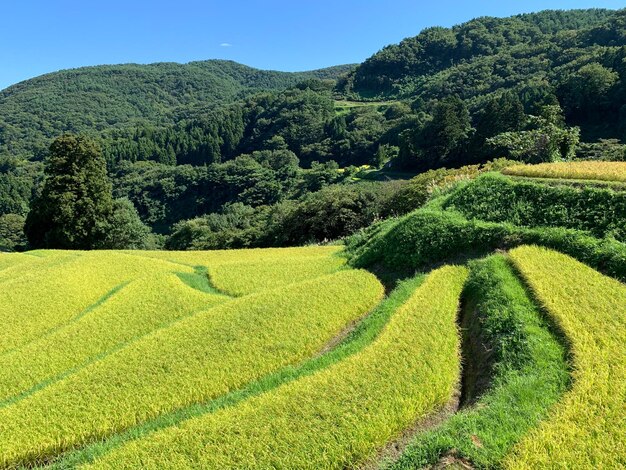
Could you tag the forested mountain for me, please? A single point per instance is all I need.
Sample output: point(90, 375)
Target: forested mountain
point(115, 96)
point(483, 47)
point(576, 56)
point(216, 154)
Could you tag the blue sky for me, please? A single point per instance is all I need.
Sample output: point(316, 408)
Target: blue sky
point(43, 36)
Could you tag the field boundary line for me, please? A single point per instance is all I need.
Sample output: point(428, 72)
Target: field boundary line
point(86, 311)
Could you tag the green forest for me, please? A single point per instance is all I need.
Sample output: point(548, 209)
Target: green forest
point(216, 154)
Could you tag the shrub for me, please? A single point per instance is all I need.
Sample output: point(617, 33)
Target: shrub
point(425, 237)
point(494, 198)
point(124, 230)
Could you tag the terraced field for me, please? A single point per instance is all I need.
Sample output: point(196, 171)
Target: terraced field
point(297, 358)
point(152, 344)
point(584, 170)
point(587, 427)
point(334, 418)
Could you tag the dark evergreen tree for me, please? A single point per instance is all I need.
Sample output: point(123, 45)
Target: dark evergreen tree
point(442, 140)
point(75, 203)
point(503, 113)
point(12, 233)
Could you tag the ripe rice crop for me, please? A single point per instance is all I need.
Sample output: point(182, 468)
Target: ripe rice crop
point(584, 170)
point(196, 359)
point(42, 297)
point(337, 417)
point(14, 265)
point(587, 428)
point(241, 272)
point(364, 332)
point(11, 259)
point(245, 277)
point(131, 311)
point(216, 257)
point(508, 340)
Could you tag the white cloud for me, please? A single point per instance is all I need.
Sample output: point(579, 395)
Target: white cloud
point(226, 44)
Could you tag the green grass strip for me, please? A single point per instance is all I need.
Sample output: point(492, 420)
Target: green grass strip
point(530, 374)
point(573, 182)
point(363, 334)
point(200, 280)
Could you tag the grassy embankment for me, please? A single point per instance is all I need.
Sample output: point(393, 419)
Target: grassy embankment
point(587, 428)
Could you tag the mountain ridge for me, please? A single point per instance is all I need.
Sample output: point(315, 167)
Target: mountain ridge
point(93, 98)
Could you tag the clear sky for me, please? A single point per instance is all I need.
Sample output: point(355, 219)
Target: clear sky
point(47, 35)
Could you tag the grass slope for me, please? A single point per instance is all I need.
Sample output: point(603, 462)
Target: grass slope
point(429, 237)
point(492, 197)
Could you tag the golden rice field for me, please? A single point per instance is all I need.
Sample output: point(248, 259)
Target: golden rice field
point(54, 292)
point(337, 417)
point(150, 344)
point(8, 260)
point(234, 277)
point(118, 320)
point(583, 170)
point(588, 427)
point(137, 346)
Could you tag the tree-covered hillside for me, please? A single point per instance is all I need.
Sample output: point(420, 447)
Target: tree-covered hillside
point(575, 56)
point(436, 48)
point(219, 155)
point(96, 98)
